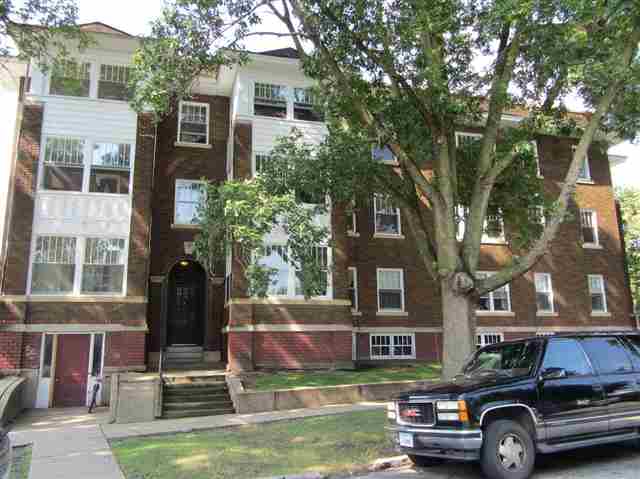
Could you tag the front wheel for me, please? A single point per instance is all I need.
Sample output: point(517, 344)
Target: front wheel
point(508, 451)
point(424, 461)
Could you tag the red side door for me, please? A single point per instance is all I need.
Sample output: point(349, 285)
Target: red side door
point(72, 366)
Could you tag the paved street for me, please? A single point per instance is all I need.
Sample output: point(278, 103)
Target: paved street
point(620, 461)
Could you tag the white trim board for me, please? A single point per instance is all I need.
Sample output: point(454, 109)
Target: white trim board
point(71, 328)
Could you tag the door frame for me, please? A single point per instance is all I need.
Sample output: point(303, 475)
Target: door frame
point(165, 306)
point(46, 386)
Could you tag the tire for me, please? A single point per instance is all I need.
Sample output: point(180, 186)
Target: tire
point(508, 451)
point(424, 461)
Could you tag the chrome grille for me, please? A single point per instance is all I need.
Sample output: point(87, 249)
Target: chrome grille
point(413, 413)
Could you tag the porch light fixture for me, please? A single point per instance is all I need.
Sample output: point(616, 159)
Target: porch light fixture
point(184, 263)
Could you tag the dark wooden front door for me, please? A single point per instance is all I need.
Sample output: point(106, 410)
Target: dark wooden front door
point(72, 368)
point(186, 304)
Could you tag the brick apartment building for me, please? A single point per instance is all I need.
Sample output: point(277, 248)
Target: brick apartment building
point(98, 274)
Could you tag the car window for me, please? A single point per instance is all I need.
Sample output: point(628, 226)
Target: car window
point(608, 355)
point(568, 355)
point(634, 349)
point(511, 359)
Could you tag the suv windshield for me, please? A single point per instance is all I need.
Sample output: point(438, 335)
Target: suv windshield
point(509, 360)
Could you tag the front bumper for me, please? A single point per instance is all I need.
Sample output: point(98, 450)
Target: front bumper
point(456, 444)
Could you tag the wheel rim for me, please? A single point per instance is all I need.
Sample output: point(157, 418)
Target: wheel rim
point(512, 452)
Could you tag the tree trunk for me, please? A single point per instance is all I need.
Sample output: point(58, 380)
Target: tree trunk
point(458, 328)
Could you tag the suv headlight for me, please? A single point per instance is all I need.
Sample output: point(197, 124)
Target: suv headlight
point(391, 411)
point(452, 411)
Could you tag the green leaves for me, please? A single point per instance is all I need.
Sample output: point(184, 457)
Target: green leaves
point(629, 199)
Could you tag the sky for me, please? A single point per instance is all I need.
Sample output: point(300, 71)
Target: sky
point(133, 16)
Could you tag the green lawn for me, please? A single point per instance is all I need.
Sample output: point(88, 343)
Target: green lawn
point(327, 444)
point(284, 380)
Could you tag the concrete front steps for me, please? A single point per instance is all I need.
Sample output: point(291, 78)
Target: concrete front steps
point(195, 393)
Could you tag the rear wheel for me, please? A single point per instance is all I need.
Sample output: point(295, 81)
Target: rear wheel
point(424, 461)
point(508, 451)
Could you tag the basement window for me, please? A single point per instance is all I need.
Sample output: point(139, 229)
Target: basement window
point(392, 346)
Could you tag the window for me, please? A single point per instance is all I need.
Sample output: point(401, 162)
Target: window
point(260, 160)
point(392, 346)
point(461, 213)
point(383, 154)
point(589, 227)
point(516, 359)
point(537, 216)
point(634, 349)
point(270, 100)
point(96, 360)
point(110, 168)
point(53, 268)
point(544, 292)
point(189, 197)
point(103, 268)
point(566, 354)
point(71, 79)
point(468, 140)
point(63, 164)
point(113, 83)
point(353, 288)
point(585, 170)
point(193, 126)
point(608, 355)
point(487, 339)
point(303, 105)
point(493, 229)
point(390, 290)
point(387, 216)
point(597, 293)
point(47, 356)
point(496, 300)
point(544, 334)
point(321, 259)
point(352, 219)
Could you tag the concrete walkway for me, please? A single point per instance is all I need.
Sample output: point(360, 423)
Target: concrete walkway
point(67, 444)
point(71, 444)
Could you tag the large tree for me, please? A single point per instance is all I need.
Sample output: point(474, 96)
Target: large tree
point(408, 74)
point(40, 30)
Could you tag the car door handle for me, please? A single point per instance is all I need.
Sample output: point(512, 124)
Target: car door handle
point(598, 387)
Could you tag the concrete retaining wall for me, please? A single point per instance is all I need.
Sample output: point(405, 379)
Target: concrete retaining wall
point(135, 397)
point(247, 401)
point(11, 398)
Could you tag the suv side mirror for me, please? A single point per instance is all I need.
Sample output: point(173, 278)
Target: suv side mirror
point(553, 373)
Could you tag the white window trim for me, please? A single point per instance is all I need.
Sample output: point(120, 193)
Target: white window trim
point(483, 339)
point(536, 154)
point(86, 168)
point(460, 134)
point(493, 311)
point(491, 239)
point(289, 97)
point(377, 234)
point(596, 235)
point(402, 291)
point(550, 292)
point(182, 181)
point(291, 278)
point(354, 222)
point(356, 307)
point(188, 143)
point(589, 179)
point(76, 291)
point(391, 355)
point(604, 312)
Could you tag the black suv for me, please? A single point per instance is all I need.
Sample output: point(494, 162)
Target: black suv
point(515, 399)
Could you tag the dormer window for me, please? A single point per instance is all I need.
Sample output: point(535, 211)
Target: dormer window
point(71, 79)
point(303, 105)
point(113, 84)
point(193, 126)
point(270, 100)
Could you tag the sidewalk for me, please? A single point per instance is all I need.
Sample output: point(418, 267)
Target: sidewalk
point(70, 444)
point(67, 444)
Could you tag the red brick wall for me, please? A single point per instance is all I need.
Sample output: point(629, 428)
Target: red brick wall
point(125, 349)
point(22, 189)
point(240, 350)
point(294, 350)
point(10, 350)
point(32, 343)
